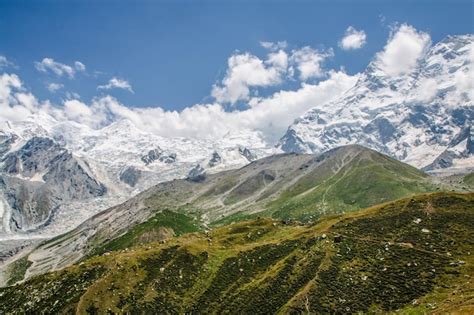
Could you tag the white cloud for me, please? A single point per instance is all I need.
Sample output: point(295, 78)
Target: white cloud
point(403, 50)
point(308, 62)
point(274, 46)
point(271, 116)
point(77, 111)
point(79, 66)
point(53, 87)
point(72, 95)
point(15, 103)
point(4, 62)
point(353, 39)
point(245, 71)
point(116, 83)
point(49, 65)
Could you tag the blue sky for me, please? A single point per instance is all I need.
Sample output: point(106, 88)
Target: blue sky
point(173, 52)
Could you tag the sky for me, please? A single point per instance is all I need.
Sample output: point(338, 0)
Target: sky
point(173, 59)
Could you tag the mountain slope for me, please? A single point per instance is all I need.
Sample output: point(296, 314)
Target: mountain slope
point(121, 158)
point(36, 178)
point(289, 186)
point(410, 255)
point(422, 117)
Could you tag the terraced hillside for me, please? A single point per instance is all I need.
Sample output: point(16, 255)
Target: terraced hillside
point(414, 255)
point(291, 186)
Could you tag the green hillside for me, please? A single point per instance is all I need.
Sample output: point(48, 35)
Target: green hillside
point(469, 180)
point(369, 178)
point(412, 255)
point(291, 187)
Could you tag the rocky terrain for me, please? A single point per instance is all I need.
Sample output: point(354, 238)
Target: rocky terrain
point(299, 187)
point(423, 118)
point(36, 178)
point(54, 175)
point(412, 255)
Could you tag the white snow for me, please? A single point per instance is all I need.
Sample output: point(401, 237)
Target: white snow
point(423, 107)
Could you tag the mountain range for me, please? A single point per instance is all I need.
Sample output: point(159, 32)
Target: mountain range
point(411, 256)
point(290, 187)
point(69, 192)
point(422, 117)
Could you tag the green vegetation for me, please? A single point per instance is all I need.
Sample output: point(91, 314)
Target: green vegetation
point(17, 269)
point(236, 217)
point(163, 225)
point(469, 180)
point(410, 256)
point(362, 183)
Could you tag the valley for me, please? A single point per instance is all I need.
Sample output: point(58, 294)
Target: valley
point(310, 178)
point(410, 256)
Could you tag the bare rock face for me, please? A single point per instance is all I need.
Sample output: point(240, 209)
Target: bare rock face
point(158, 155)
point(6, 140)
point(197, 174)
point(168, 158)
point(151, 156)
point(215, 159)
point(130, 176)
point(249, 155)
point(461, 147)
point(40, 176)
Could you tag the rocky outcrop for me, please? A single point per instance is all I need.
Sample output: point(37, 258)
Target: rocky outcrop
point(249, 155)
point(40, 176)
point(461, 147)
point(168, 158)
point(151, 156)
point(131, 175)
point(215, 159)
point(158, 155)
point(197, 174)
point(6, 140)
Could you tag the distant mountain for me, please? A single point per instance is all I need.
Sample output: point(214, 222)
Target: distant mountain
point(54, 175)
point(423, 117)
point(290, 186)
point(36, 178)
point(408, 256)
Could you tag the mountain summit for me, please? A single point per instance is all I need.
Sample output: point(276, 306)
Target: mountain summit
point(420, 117)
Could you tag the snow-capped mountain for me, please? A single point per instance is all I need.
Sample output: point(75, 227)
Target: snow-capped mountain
point(423, 117)
point(116, 162)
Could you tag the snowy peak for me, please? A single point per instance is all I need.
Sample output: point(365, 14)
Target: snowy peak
point(413, 116)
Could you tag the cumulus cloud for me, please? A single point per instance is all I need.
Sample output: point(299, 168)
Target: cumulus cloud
point(404, 48)
point(353, 39)
point(15, 102)
point(245, 71)
point(308, 62)
point(77, 111)
point(270, 116)
point(116, 83)
point(49, 65)
point(53, 87)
